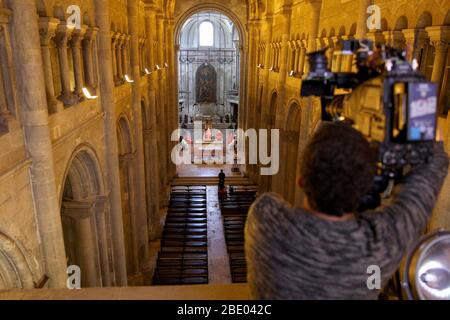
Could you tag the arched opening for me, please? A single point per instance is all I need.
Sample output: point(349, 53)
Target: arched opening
point(85, 219)
point(15, 271)
point(127, 163)
point(292, 133)
point(206, 34)
point(209, 87)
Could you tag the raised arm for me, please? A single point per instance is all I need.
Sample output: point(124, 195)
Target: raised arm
point(407, 216)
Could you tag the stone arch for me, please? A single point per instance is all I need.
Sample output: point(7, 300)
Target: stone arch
point(127, 171)
point(124, 136)
point(84, 212)
point(352, 31)
point(15, 271)
point(401, 23)
point(384, 24)
point(446, 21)
point(208, 7)
point(424, 20)
point(332, 32)
point(83, 171)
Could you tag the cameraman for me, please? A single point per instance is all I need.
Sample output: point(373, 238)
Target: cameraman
point(323, 251)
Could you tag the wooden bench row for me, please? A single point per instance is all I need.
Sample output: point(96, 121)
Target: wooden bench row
point(183, 257)
point(234, 209)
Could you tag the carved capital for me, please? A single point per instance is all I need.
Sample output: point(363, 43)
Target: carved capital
point(63, 35)
point(394, 39)
point(78, 210)
point(439, 37)
point(90, 35)
point(47, 30)
point(375, 36)
point(78, 36)
point(416, 37)
point(336, 40)
point(320, 43)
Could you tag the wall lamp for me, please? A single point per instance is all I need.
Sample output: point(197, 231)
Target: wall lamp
point(158, 67)
point(88, 95)
point(147, 71)
point(127, 78)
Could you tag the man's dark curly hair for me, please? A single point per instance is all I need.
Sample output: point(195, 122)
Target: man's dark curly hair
point(337, 169)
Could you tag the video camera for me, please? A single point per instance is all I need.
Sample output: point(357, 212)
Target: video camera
point(385, 98)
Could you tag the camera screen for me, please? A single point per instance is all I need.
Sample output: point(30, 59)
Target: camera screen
point(422, 111)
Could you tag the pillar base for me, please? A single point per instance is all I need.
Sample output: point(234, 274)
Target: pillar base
point(68, 99)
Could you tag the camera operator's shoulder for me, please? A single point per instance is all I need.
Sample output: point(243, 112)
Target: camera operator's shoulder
point(268, 203)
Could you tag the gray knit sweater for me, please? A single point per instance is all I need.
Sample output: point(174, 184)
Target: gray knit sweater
point(292, 254)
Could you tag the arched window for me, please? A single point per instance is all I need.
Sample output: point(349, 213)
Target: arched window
point(206, 34)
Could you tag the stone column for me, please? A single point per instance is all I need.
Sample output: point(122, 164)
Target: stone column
point(328, 42)
point(394, 39)
point(298, 53)
point(47, 31)
point(278, 185)
point(63, 35)
point(336, 64)
point(304, 63)
point(75, 44)
point(361, 27)
point(172, 77)
point(81, 214)
point(161, 112)
point(416, 40)
point(155, 227)
point(265, 112)
point(114, 57)
point(141, 207)
point(439, 39)
point(111, 148)
point(34, 117)
point(88, 53)
point(347, 61)
point(315, 20)
point(119, 58)
point(102, 235)
point(124, 51)
point(252, 89)
point(376, 36)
